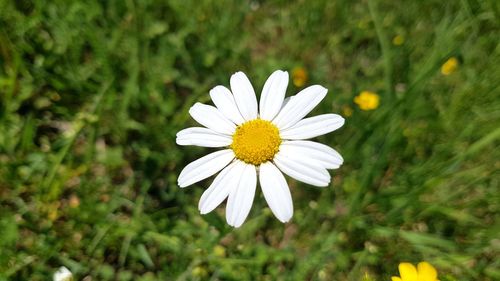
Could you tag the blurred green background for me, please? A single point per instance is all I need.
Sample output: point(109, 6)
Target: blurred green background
point(93, 93)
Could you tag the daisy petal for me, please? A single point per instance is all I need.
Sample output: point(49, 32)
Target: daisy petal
point(313, 152)
point(299, 106)
point(244, 95)
point(220, 187)
point(224, 100)
point(426, 272)
point(202, 137)
point(276, 191)
point(395, 278)
point(407, 271)
point(241, 198)
point(273, 94)
point(212, 118)
point(205, 167)
point(285, 102)
point(297, 167)
point(313, 126)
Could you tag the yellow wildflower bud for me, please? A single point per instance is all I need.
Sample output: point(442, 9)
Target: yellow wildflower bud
point(347, 111)
point(199, 271)
point(299, 76)
point(398, 40)
point(449, 66)
point(53, 211)
point(367, 100)
point(219, 251)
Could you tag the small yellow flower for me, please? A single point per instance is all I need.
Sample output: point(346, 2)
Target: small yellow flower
point(449, 66)
point(199, 271)
point(299, 76)
point(367, 100)
point(424, 272)
point(398, 40)
point(347, 111)
point(219, 251)
point(53, 211)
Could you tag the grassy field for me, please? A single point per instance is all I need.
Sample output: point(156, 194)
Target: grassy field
point(93, 92)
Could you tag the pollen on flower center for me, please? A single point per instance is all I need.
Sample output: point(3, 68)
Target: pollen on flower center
point(256, 141)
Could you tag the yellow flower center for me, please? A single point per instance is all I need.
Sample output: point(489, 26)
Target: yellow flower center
point(256, 141)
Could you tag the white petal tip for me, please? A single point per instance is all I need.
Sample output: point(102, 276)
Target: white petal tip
point(235, 225)
point(182, 184)
point(322, 91)
point(195, 107)
point(181, 141)
point(322, 88)
point(284, 220)
point(341, 120)
point(216, 91)
point(237, 75)
point(216, 88)
point(197, 104)
point(318, 89)
point(205, 209)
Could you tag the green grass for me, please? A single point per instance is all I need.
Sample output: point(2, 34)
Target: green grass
point(93, 92)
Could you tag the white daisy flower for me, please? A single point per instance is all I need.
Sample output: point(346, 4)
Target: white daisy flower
point(266, 142)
